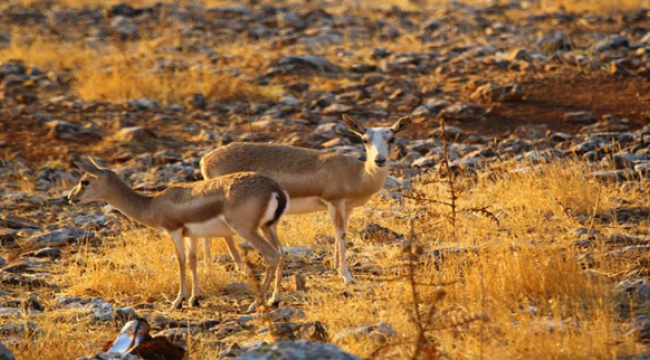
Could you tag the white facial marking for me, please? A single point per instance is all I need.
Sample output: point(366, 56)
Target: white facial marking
point(378, 147)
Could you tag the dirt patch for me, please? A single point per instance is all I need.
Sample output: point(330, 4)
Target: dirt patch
point(548, 99)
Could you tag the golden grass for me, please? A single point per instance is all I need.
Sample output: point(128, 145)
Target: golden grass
point(118, 73)
point(524, 278)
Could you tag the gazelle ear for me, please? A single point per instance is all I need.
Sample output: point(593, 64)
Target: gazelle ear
point(401, 124)
point(354, 125)
point(91, 169)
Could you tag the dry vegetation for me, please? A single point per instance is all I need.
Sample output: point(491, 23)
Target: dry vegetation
point(525, 279)
point(521, 292)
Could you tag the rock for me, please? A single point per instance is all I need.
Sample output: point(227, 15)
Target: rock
point(640, 328)
point(197, 102)
point(23, 329)
point(555, 42)
point(282, 314)
point(292, 64)
point(96, 309)
point(298, 251)
point(5, 40)
point(142, 104)
point(63, 130)
point(463, 112)
point(17, 222)
point(612, 175)
point(134, 134)
point(5, 354)
point(236, 288)
point(21, 280)
point(310, 331)
point(430, 108)
point(49, 252)
point(611, 43)
point(110, 356)
point(297, 350)
point(579, 117)
point(125, 28)
point(379, 235)
point(378, 333)
point(64, 236)
point(492, 93)
point(516, 54)
point(632, 293)
point(300, 282)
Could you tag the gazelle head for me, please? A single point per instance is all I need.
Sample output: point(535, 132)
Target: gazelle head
point(93, 185)
point(377, 140)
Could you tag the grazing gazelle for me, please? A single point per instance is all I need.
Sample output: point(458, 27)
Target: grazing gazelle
point(221, 207)
point(315, 180)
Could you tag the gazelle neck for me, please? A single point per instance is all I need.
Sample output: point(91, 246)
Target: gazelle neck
point(127, 201)
point(374, 176)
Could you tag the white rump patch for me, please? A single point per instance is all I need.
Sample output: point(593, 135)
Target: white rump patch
point(269, 214)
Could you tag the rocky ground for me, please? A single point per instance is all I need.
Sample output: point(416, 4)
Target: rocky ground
point(556, 101)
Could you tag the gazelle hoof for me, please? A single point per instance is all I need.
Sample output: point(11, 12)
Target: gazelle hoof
point(177, 304)
point(194, 302)
point(348, 279)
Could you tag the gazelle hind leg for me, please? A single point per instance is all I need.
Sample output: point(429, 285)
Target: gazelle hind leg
point(234, 253)
point(192, 256)
point(272, 236)
point(268, 251)
point(177, 237)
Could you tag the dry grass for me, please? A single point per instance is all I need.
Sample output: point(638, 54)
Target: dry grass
point(525, 277)
point(129, 71)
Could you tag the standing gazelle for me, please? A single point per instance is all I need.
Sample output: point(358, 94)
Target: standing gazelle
point(315, 180)
point(222, 207)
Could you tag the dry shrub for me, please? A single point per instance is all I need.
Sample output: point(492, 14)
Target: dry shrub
point(139, 266)
point(118, 84)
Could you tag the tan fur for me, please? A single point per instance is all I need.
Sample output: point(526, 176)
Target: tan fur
point(301, 172)
point(315, 180)
point(224, 206)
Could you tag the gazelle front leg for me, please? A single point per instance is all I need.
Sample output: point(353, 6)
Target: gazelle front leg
point(196, 291)
point(177, 237)
point(339, 219)
point(206, 251)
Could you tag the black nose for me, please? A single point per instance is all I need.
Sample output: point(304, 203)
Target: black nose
point(380, 161)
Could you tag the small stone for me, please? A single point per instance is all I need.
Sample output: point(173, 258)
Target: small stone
point(300, 282)
point(5, 354)
point(64, 236)
point(579, 117)
point(297, 350)
point(236, 288)
point(63, 130)
point(377, 333)
point(134, 134)
point(49, 252)
point(379, 235)
point(492, 93)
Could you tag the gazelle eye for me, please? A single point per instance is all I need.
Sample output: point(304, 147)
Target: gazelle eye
point(391, 140)
point(85, 182)
point(365, 140)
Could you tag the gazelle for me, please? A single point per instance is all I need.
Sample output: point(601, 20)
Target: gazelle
point(221, 207)
point(315, 180)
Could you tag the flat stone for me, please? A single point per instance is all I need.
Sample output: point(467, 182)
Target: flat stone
point(297, 350)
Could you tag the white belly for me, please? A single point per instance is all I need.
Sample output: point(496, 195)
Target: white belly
point(305, 205)
point(215, 227)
